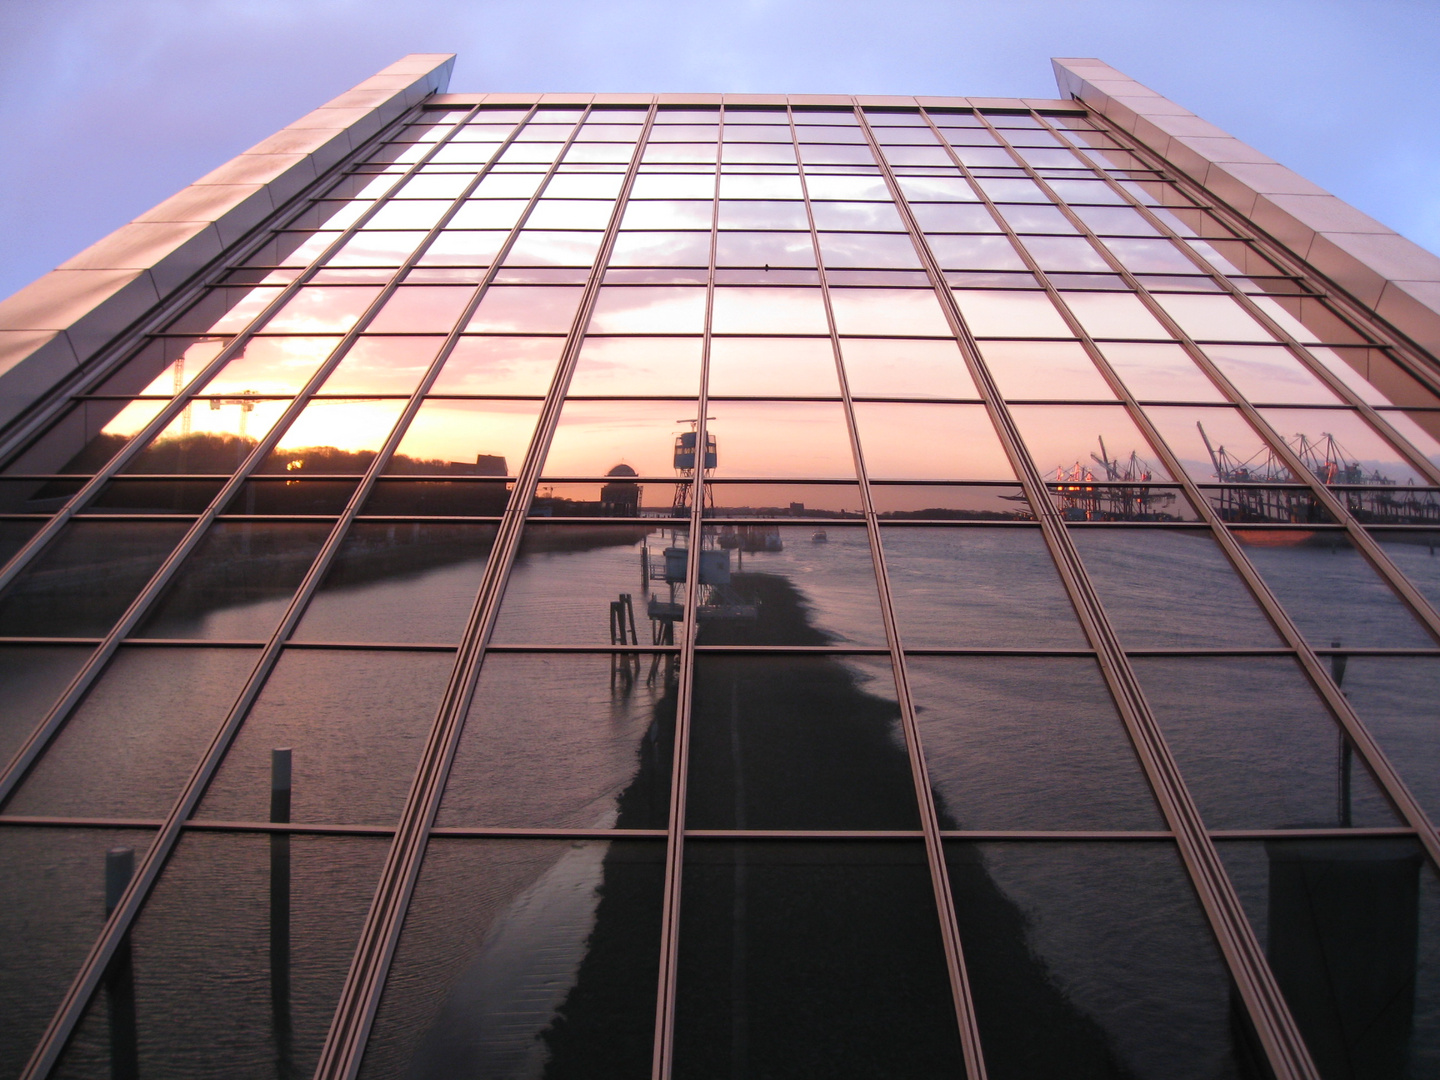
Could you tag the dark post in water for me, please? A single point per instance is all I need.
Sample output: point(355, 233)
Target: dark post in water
point(120, 975)
point(280, 787)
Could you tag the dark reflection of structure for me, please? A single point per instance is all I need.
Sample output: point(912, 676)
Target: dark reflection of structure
point(620, 497)
point(1252, 495)
point(1344, 930)
point(603, 1028)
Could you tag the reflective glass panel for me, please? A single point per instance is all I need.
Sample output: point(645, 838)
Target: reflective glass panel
point(1169, 587)
point(1094, 959)
point(1026, 743)
point(477, 438)
point(1334, 596)
point(130, 747)
point(579, 741)
point(797, 742)
point(500, 365)
point(767, 367)
point(549, 966)
point(978, 588)
point(566, 577)
point(400, 582)
point(1059, 370)
point(1086, 442)
point(638, 366)
point(1159, 372)
point(857, 987)
point(930, 442)
point(788, 585)
point(356, 721)
point(33, 677)
point(1256, 746)
point(898, 368)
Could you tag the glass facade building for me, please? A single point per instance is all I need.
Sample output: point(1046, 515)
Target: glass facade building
point(626, 586)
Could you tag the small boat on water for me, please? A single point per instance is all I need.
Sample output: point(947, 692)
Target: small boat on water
point(819, 537)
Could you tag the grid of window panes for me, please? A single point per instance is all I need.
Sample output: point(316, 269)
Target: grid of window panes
point(271, 527)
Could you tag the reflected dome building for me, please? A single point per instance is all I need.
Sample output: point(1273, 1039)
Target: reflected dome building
point(362, 718)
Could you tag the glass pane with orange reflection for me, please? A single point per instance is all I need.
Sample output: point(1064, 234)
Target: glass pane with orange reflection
point(1086, 443)
point(724, 499)
point(334, 437)
point(474, 438)
point(271, 365)
point(383, 365)
point(637, 365)
point(890, 367)
point(595, 436)
point(211, 435)
point(781, 439)
point(1055, 370)
point(930, 442)
point(502, 366)
point(421, 309)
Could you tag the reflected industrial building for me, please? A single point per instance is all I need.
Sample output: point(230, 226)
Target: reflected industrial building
point(702, 586)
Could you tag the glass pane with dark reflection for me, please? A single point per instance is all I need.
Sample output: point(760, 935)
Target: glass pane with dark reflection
point(1094, 959)
point(567, 577)
point(437, 498)
point(1398, 698)
point(525, 958)
point(33, 677)
point(237, 583)
point(130, 747)
point(788, 585)
point(1171, 587)
point(1256, 746)
point(1026, 743)
point(278, 496)
point(221, 900)
point(1352, 932)
point(402, 582)
point(124, 496)
point(625, 495)
point(86, 437)
point(811, 959)
point(355, 721)
point(797, 742)
point(1417, 554)
point(32, 497)
point(52, 906)
point(977, 587)
point(86, 578)
point(579, 741)
point(1334, 596)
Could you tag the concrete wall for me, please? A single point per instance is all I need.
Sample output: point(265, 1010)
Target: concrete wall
point(1396, 278)
point(58, 323)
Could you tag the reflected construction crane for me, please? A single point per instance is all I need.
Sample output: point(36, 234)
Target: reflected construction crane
point(1370, 496)
point(1119, 493)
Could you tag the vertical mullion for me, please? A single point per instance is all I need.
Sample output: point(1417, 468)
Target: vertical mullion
point(1316, 670)
point(1286, 1050)
point(662, 1065)
point(963, 1000)
point(25, 757)
point(181, 401)
point(1373, 553)
point(350, 1029)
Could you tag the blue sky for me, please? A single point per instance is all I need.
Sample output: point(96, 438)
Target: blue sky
point(107, 107)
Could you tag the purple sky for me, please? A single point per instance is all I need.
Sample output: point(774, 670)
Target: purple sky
point(106, 108)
